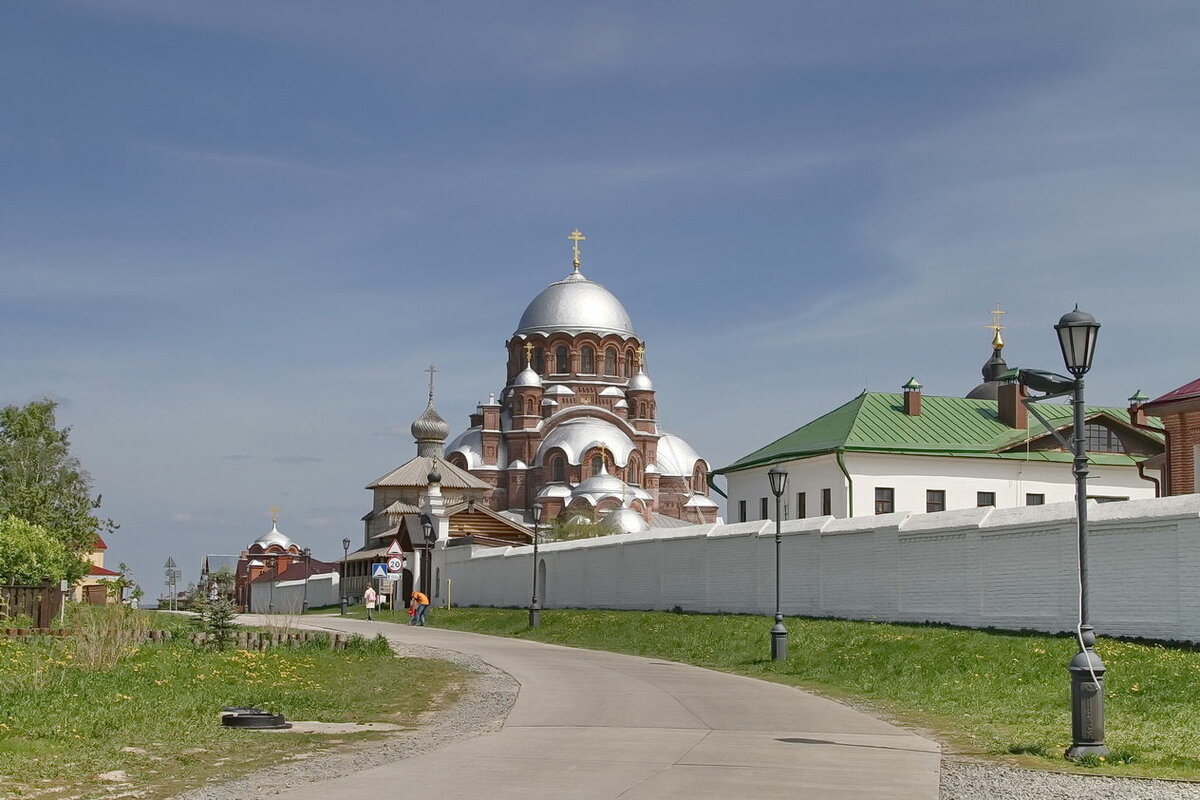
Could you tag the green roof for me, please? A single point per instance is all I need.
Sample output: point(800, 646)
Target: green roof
point(875, 422)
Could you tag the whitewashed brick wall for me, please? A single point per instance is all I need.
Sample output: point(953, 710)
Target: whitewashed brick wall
point(979, 567)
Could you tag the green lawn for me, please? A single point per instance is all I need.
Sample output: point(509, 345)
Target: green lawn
point(1004, 695)
point(155, 714)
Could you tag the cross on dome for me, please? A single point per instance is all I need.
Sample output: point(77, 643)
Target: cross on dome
point(430, 369)
point(576, 237)
point(997, 342)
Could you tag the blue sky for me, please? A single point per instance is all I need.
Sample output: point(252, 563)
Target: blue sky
point(233, 234)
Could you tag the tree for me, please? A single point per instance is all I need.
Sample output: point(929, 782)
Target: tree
point(41, 482)
point(29, 554)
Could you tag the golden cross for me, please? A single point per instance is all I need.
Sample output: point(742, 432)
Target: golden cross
point(528, 353)
point(603, 455)
point(641, 356)
point(274, 514)
point(996, 326)
point(576, 237)
point(431, 369)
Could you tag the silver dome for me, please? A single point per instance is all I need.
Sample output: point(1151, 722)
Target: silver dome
point(527, 377)
point(641, 382)
point(273, 537)
point(601, 484)
point(675, 456)
point(623, 520)
point(575, 305)
point(430, 427)
point(577, 436)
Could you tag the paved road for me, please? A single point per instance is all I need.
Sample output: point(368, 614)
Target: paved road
point(594, 725)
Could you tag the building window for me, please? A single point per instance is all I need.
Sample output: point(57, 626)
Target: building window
point(762, 508)
point(1035, 499)
point(597, 464)
point(1101, 439)
point(801, 505)
point(985, 499)
point(610, 361)
point(562, 360)
point(827, 502)
point(935, 500)
point(558, 470)
point(539, 362)
point(885, 500)
point(587, 358)
point(741, 510)
point(629, 364)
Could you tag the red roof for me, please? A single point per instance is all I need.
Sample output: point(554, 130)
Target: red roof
point(99, 545)
point(1189, 391)
point(102, 572)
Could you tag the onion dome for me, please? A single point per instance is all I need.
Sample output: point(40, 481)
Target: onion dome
point(430, 427)
point(623, 520)
point(602, 483)
point(993, 368)
point(273, 537)
point(641, 382)
point(527, 377)
point(434, 476)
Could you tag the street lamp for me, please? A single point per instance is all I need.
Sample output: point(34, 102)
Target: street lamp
point(535, 608)
point(307, 570)
point(1077, 331)
point(345, 556)
point(778, 478)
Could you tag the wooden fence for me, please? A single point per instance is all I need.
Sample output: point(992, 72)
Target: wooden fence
point(40, 603)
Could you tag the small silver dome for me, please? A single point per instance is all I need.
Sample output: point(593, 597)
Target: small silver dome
point(675, 456)
point(430, 427)
point(575, 305)
point(641, 382)
point(601, 484)
point(623, 520)
point(527, 377)
point(273, 537)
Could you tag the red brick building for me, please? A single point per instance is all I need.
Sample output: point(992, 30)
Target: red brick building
point(1179, 411)
point(575, 427)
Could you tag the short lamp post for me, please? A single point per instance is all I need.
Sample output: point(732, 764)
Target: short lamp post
point(345, 557)
point(778, 478)
point(1077, 332)
point(307, 570)
point(535, 607)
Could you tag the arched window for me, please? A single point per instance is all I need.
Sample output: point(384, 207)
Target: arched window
point(539, 362)
point(530, 407)
point(641, 410)
point(698, 482)
point(610, 361)
point(629, 364)
point(633, 472)
point(562, 360)
point(597, 464)
point(558, 469)
point(587, 360)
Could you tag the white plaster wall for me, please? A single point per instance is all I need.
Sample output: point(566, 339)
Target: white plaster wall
point(978, 567)
point(960, 477)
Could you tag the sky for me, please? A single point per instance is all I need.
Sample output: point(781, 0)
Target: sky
point(232, 235)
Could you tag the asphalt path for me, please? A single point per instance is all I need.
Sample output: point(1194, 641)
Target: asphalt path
point(589, 724)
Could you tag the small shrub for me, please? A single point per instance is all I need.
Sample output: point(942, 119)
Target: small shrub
point(105, 634)
point(217, 616)
point(377, 646)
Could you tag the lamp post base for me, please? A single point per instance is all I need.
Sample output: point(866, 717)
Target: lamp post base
point(779, 642)
point(1087, 705)
point(535, 616)
point(343, 606)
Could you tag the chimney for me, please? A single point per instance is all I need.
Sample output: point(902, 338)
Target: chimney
point(1011, 410)
point(912, 397)
point(1137, 414)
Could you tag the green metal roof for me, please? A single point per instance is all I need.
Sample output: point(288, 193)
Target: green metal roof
point(875, 422)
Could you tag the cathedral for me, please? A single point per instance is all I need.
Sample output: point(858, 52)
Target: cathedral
point(575, 427)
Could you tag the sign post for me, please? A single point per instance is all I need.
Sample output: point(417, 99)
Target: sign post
point(395, 570)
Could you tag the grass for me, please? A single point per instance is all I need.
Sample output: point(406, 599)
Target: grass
point(989, 693)
point(154, 713)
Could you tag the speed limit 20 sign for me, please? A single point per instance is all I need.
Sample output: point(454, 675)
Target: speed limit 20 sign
point(395, 564)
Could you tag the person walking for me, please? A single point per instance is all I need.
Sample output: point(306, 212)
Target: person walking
point(421, 601)
point(369, 597)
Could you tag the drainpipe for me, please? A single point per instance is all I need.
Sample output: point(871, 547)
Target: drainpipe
point(841, 462)
point(709, 478)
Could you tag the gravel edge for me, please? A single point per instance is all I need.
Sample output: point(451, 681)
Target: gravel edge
point(482, 709)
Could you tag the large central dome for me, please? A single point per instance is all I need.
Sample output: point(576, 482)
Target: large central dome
point(575, 305)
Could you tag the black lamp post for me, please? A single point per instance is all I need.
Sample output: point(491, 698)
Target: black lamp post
point(345, 556)
point(535, 607)
point(307, 570)
point(1077, 332)
point(778, 478)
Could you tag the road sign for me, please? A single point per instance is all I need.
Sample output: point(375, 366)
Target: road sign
point(378, 571)
point(395, 564)
point(394, 576)
point(395, 550)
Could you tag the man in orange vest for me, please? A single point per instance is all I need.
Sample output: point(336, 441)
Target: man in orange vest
point(421, 602)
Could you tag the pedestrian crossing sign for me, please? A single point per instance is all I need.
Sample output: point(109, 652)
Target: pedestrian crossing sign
point(379, 571)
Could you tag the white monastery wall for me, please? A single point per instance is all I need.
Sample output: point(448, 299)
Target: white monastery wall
point(960, 477)
point(978, 567)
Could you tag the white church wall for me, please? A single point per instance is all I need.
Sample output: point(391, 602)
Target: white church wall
point(978, 567)
point(809, 475)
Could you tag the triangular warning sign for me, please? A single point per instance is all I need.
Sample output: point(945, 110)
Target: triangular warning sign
point(395, 550)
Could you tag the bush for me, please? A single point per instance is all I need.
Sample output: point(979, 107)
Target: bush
point(104, 635)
